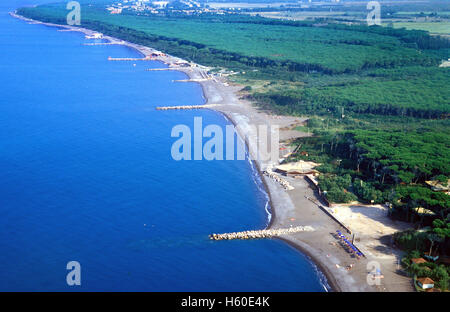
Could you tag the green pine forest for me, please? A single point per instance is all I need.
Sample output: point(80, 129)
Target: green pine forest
point(377, 99)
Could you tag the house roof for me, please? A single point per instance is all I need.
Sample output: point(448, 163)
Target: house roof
point(298, 167)
point(425, 280)
point(424, 211)
point(437, 186)
point(419, 260)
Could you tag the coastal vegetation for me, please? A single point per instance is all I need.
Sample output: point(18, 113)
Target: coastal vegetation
point(382, 161)
point(241, 42)
point(421, 249)
point(406, 91)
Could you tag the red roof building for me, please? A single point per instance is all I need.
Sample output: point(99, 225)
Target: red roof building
point(425, 282)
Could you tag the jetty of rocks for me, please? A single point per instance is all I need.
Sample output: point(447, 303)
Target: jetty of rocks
point(260, 233)
point(277, 178)
point(186, 107)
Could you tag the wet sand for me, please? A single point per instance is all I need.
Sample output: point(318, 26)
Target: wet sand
point(289, 208)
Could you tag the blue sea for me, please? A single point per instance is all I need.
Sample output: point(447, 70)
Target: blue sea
point(86, 175)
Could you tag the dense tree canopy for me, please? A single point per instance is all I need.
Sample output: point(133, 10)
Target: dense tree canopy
point(350, 76)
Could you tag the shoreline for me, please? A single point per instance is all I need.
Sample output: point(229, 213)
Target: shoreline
point(330, 280)
point(285, 206)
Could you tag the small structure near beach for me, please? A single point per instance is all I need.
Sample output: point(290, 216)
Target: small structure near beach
point(95, 36)
point(424, 211)
point(425, 282)
point(157, 54)
point(298, 168)
point(181, 63)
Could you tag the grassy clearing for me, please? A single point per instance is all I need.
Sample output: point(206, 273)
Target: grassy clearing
point(432, 27)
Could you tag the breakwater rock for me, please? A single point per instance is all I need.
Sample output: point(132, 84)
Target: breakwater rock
point(260, 233)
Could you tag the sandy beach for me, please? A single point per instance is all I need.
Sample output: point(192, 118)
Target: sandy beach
point(300, 206)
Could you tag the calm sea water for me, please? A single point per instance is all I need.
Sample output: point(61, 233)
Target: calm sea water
point(86, 174)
